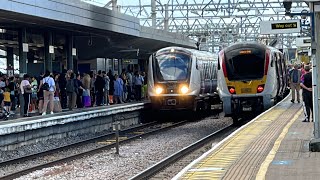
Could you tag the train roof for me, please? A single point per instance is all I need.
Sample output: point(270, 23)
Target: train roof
point(191, 51)
point(255, 45)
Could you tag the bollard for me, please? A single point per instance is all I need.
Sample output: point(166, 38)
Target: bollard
point(116, 128)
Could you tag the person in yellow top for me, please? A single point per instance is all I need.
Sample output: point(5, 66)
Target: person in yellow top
point(7, 100)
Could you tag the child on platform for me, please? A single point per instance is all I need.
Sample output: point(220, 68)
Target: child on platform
point(7, 100)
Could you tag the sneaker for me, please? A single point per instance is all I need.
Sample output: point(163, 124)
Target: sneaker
point(44, 113)
point(51, 112)
point(292, 101)
point(298, 101)
point(305, 120)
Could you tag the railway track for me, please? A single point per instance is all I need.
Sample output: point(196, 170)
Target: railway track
point(177, 160)
point(129, 134)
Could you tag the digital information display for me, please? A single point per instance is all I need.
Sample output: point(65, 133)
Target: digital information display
point(280, 27)
point(284, 25)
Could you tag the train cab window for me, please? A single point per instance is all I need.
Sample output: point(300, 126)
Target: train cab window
point(172, 66)
point(248, 65)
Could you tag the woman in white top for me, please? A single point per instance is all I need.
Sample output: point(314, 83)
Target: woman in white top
point(48, 94)
point(26, 92)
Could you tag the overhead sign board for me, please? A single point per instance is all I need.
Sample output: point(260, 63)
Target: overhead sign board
point(303, 41)
point(280, 27)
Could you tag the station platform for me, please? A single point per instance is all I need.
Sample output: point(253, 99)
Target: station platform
point(27, 130)
point(275, 145)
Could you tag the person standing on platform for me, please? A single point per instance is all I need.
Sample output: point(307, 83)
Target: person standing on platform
point(99, 87)
point(49, 87)
point(7, 101)
point(138, 82)
point(306, 84)
point(26, 91)
point(106, 88)
point(34, 98)
point(295, 75)
point(13, 91)
point(129, 86)
point(118, 89)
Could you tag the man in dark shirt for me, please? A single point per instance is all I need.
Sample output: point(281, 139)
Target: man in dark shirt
point(306, 84)
point(99, 86)
point(295, 75)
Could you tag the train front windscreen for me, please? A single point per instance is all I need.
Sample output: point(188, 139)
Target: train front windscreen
point(172, 66)
point(245, 64)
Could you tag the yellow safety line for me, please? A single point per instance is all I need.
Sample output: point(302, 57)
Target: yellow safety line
point(265, 165)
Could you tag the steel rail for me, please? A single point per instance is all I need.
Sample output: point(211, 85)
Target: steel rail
point(71, 145)
point(151, 171)
point(86, 153)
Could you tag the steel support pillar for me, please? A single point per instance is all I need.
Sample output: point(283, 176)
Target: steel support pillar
point(153, 13)
point(22, 37)
point(49, 51)
point(69, 46)
point(315, 143)
point(166, 18)
point(10, 61)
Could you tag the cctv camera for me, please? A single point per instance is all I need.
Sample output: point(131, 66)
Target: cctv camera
point(287, 5)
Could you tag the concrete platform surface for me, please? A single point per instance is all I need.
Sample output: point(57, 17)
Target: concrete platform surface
point(275, 145)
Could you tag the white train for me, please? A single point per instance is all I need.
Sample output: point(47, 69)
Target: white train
point(251, 77)
point(180, 78)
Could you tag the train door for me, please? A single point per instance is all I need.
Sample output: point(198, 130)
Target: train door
point(208, 77)
point(284, 74)
point(214, 77)
point(280, 73)
point(201, 67)
point(274, 56)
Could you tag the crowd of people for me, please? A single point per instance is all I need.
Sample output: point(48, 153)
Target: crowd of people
point(52, 92)
point(300, 76)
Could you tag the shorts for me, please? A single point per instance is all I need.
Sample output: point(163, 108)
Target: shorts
point(7, 103)
point(34, 96)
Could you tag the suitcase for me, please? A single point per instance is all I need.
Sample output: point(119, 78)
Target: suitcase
point(86, 101)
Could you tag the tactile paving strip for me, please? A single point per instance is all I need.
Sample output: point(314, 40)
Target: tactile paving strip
point(241, 156)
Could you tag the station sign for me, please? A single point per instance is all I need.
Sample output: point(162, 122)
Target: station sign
point(303, 41)
point(280, 27)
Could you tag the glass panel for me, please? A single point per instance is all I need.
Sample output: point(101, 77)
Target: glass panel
point(243, 67)
point(173, 66)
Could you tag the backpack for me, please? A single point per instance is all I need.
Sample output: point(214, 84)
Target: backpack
point(70, 86)
point(46, 86)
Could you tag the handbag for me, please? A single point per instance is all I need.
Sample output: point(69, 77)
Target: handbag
point(86, 101)
point(27, 89)
point(56, 105)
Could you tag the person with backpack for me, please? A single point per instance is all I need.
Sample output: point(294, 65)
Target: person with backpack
point(49, 87)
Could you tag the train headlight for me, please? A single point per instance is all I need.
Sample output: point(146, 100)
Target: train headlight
point(184, 89)
point(159, 90)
